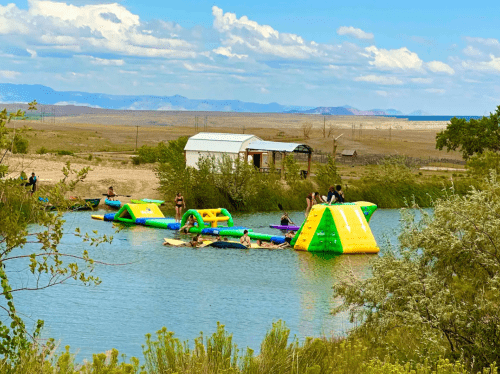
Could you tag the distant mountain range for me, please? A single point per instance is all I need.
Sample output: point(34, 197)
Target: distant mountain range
point(24, 93)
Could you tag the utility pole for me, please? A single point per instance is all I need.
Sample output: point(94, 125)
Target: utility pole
point(324, 126)
point(390, 135)
point(136, 137)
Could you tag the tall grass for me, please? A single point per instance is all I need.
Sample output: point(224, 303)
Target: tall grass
point(217, 353)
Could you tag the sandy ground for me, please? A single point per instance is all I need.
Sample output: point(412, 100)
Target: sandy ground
point(139, 182)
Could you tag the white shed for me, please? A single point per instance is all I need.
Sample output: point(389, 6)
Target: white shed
point(216, 144)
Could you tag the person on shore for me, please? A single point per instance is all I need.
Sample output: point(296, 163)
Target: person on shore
point(311, 200)
point(245, 239)
point(32, 182)
point(179, 205)
point(286, 220)
point(189, 223)
point(111, 193)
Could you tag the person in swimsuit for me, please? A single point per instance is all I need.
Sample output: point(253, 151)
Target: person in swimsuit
point(111, 193)
point(311, 200)
point(245, 239)
point(262, 244)
point(288, 240)
point(179, 205)
point(189, 223)
point(285, 220)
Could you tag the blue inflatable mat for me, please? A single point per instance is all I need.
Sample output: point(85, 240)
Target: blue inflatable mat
point(278, 239)
point(220, 230)
point(174, 226)
point(109, 216)
point(142, 221)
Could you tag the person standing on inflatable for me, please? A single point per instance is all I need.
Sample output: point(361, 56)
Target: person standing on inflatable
point(179, 204)
point(32, 182)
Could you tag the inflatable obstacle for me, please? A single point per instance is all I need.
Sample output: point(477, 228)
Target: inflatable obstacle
point(338, 228)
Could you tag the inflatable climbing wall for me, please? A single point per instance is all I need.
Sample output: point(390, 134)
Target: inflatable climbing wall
point(339, 228)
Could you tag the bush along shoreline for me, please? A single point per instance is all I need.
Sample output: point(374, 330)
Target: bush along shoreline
point(217, 353)
point(239, 187)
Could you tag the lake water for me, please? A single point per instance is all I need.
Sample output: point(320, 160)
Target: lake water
point(189, 290)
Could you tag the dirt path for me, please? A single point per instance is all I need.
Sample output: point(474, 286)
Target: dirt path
point(137, 181)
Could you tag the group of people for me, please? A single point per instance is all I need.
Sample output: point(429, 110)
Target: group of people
point(335, 195)
point(31, 181)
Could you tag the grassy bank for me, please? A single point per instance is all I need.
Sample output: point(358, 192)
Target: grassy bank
point(217, 353)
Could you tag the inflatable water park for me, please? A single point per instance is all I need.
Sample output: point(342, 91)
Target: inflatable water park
point(338, 228)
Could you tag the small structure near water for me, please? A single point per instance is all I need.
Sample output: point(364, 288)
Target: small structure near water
point(261, 153)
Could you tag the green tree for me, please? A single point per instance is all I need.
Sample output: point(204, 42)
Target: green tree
point(326, 175)
point(480, 165)
point(30, 235)
point(472, 136)
point(443, 282)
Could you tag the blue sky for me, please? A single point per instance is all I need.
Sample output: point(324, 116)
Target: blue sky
point(438, 56)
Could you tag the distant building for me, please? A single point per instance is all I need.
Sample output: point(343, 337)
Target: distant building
point(207, 144)
point(260, 153)
point(349, 153)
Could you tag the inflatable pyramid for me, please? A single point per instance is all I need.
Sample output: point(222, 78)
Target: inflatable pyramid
point(338, 228)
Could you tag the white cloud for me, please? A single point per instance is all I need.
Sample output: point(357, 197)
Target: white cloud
point(91, 28)
point(357, 33)
point(226, 51)
point(471, 51)
point(493, 65)
point(31, 52)
point(106, 62)
point(245, 36)
point(483, 41)
point(9, 74)
point(422, 80)
point(382, 93)
point(440, 67)
point(439, 91)
point(379, 79)
point(394, 59)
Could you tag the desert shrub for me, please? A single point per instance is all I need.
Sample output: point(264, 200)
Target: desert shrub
point(62, 152)
point(20, 144)
point(442, 282)
point(326, 175)
point(42, 151)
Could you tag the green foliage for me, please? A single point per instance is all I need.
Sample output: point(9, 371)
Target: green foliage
point(172, 152)
point(42, 151)
point(326, 175)
point(443, 282)
point(46, 266)
point(20, 144)
point(230, 183)
point(63, 152)
point(472, 136)
point(480, 165)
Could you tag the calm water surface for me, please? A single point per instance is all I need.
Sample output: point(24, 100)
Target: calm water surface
point(189, 290)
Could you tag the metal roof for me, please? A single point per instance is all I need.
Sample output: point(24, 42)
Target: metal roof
point(349, 152)
point(263, 145)
point(218, 142)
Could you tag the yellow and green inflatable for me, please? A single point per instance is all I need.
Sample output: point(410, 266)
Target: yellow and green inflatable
point(338, 228)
